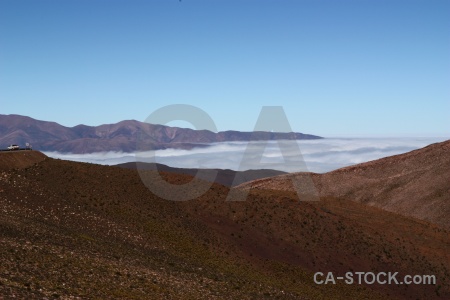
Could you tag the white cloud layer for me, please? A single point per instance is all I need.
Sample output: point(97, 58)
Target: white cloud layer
point(320, 155)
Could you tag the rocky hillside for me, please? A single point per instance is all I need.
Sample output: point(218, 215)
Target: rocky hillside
point(19, 159)
point(74, 230)
point(414, 184)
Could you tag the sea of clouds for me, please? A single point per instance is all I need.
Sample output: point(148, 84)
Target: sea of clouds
point(320, 156)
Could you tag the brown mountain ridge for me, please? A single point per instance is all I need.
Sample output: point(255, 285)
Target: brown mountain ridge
point(224, 177)
point(125, 136)
point(415, 184)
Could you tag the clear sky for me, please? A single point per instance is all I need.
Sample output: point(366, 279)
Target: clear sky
point(339, 68)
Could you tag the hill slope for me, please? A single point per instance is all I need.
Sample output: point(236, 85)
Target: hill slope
point(414, 184)
point(19, 159)
point(123, 136)
point(81, 230)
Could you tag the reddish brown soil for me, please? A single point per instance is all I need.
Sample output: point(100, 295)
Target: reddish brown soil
point(19, 159)
point(96, 232)
point(414, 184)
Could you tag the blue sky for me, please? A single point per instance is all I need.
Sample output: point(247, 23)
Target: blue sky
point(339, 68)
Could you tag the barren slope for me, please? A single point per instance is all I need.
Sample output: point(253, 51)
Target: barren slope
point(19, 159)
point(80, 230)
point(414, 184)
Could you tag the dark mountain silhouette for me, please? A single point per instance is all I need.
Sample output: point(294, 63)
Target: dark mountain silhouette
point(123, 136)
point(224, 177)
point(414, 184)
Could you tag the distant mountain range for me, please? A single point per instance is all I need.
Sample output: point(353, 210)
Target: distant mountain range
point(123, 136)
